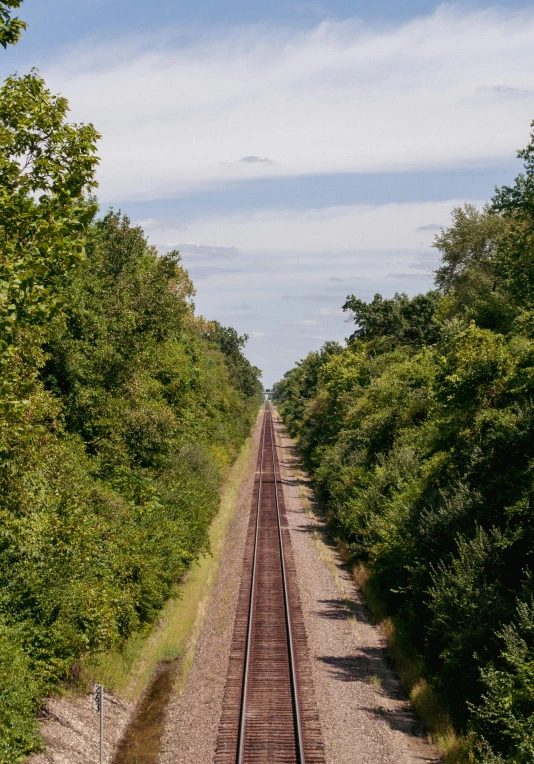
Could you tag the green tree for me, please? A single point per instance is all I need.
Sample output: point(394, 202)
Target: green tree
point(468, 249)
point(47, 167)
point(469, 274)
point(505, 717)
point(11, 29)
point(244, 376)
point(395, 321)
point(516, 251)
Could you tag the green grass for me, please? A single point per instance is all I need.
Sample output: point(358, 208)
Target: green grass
point(126, 672)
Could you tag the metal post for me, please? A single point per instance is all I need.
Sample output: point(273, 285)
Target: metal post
point(99, 708)
point(101, 725)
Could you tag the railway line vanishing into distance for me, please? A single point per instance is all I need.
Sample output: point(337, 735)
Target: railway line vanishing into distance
point(269, 711)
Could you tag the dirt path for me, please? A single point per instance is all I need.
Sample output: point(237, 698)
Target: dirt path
point(364, 714)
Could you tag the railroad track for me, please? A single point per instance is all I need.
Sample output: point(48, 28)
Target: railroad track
point(269, 712)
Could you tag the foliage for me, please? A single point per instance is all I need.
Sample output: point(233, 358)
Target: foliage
point(10, 28)
point(244, 376)
point(111, 479)
point(395, 321)
point(420, 437)
point(46, 167)
point(506, 715)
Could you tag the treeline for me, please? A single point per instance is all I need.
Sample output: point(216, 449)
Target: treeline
point(120, 413)
point(420, 437)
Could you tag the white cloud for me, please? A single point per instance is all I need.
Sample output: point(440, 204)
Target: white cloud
point(342, 97)
point(341, 228)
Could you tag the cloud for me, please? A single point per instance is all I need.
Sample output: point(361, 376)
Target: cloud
point(505, 91)
point(409, 276)
point(330, 312)
point(207, 251)
point(335, 278)
point(341, 97)
point(430, 227)
point(237, 307)
point(315, 297)
point(208, 271)
point(343, 228)
point(256, 160)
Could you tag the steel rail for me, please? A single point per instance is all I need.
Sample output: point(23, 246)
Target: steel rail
point(294, 691)
point(242, 718)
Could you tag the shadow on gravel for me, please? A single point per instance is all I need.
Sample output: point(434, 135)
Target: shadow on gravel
point(367, 664)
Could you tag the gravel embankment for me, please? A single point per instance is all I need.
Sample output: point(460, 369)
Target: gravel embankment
point(70, 730)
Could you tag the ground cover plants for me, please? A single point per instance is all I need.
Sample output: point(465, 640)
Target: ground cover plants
point(419, 435)
point(120, 411)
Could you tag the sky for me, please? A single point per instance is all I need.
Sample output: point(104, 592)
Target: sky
point(294, 152)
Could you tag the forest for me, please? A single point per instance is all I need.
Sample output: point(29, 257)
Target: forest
point(419, 435)
point(120, 411)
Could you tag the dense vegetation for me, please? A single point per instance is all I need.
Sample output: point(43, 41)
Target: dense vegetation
point(120, 411)
point(420, 437)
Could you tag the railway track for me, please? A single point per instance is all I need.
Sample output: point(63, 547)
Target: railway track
point(269, 712)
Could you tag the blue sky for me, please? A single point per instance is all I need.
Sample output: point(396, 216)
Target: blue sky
point(295, 152)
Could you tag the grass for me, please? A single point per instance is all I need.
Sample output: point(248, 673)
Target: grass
point(375, 682)
point(126, 672)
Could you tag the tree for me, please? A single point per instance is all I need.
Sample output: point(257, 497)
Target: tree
point(244, 376)
point(10, 29)
point(47, 168)
point(469, 275)
point(468, 250)
point(396, 321)
point(516, 252)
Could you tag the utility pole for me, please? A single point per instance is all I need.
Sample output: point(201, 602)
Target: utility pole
point(99, 708)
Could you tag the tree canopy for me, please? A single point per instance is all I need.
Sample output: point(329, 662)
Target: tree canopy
point(11, 28)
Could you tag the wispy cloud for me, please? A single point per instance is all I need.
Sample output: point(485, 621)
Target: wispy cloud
point(342, 97)
point(314, 297)
point(208, 271)
point(430, 227)
point(343, 228)
point(256, 160)
point(505, 91)
point(203, 251)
